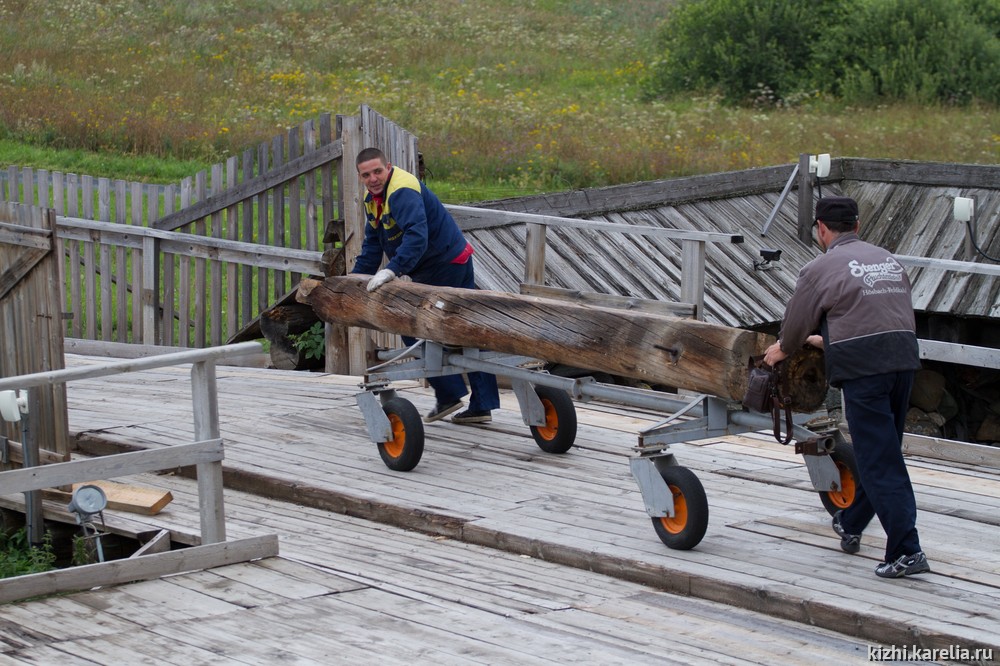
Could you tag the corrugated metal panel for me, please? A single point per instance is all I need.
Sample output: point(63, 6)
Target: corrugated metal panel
point(905, 218)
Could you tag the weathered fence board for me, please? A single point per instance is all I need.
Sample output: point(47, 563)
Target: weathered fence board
point(31, 338)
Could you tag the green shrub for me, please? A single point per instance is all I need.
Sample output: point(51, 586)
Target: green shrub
point(914, 50)
point(739, 49)
point(18, 557)
point(312, 342)
point(867, 51)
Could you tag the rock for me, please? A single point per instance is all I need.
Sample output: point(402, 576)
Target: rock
point(928, 389)
point(949, 406)
point(989, 429)
point(919, 422)
point(936, 418)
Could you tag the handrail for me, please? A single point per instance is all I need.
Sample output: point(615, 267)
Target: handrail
point(206, 452)
point(206, 247)
point(473, 214)
point(692, 285)
point(132, 365)
point(119, 464)
point(949, 264)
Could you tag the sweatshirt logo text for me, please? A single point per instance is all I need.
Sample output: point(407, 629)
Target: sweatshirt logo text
point(888, 271)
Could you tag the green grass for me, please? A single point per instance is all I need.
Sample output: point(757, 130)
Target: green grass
point(507, 97)
point(108, 164)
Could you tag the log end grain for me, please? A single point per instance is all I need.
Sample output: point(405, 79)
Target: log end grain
point(306, 286)
point(804, 374)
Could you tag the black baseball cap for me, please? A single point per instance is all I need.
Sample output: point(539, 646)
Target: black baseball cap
point(837, 209)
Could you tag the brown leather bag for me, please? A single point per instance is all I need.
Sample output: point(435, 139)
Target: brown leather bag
point(764, 394)
point(761, 385)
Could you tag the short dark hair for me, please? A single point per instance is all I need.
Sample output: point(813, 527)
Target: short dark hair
point(370, 154)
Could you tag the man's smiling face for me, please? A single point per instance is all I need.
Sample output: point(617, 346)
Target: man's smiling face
point(374, 173)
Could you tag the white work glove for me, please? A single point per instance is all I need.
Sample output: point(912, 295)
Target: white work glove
point(383, 276)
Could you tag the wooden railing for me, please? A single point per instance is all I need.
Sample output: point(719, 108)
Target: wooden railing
point(156, 302)
point(205, 453)
point(691, 247)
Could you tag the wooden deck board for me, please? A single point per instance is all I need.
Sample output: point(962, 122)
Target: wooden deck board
point(768, 548)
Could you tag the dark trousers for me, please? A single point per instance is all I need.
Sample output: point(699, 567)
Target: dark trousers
point(448, 389)
point(875, 408)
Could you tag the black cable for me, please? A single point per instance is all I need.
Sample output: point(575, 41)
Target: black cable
point(972, 234)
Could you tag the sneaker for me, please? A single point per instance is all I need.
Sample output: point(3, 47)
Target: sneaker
point(849, 543)
point(473, 416)
point(440, 411)
point(905, 565)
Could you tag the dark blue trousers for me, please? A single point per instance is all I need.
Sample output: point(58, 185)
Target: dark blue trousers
point(485, 394)
point(875, 408)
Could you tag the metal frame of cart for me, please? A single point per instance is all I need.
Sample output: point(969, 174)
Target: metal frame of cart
point(673, 495)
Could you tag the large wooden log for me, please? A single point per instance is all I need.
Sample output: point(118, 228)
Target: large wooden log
point(658, 349)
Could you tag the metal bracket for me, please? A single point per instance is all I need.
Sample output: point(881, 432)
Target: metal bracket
point(379, 428)
point(656, 493)
point(532, 410)
point(815, 451)
point(714, 421)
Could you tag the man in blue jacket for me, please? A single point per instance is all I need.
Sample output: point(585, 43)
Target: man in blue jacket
point(857, 296)
point(408, 224)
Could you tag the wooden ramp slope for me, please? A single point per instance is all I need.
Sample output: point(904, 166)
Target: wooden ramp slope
point(769, 554)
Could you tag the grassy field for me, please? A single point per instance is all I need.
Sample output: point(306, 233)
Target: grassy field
point(507, 97)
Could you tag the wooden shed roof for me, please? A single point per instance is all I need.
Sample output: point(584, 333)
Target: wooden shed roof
point(906, 207)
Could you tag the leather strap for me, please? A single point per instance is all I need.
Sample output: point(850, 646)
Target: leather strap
point(781, 400)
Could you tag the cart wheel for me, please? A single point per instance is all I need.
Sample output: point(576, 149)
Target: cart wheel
point(835, 500)
point(690, 521)
point(559, 431)
point(403, 451)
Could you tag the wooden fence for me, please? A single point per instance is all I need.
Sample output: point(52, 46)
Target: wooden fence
point(283, 194)
point(30, 320)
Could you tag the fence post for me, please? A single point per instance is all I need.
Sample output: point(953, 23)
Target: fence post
point(205, 403)
point(693, 275)
point(358, 339)
point(534, 254)
point(150, 290)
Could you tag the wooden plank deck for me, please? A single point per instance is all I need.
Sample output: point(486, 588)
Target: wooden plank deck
point(518, 556)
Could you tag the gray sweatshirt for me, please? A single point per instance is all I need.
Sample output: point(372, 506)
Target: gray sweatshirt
point(857, 296)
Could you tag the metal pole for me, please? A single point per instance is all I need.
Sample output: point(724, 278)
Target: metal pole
point(781, 200)
point(805, 200)
point(578, 388)
point(33, 517)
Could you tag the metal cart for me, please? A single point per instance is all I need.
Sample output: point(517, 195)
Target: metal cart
point(673, 495)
